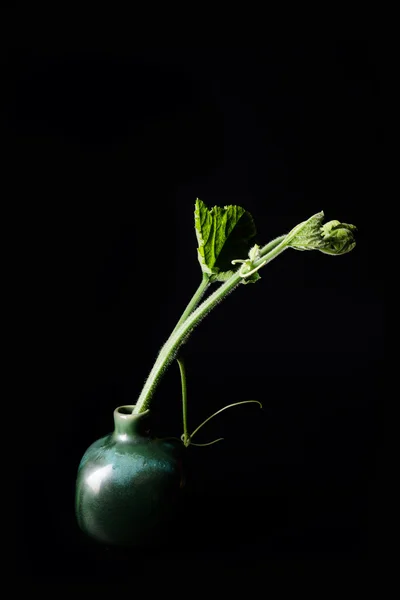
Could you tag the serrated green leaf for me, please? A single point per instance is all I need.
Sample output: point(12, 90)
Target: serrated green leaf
point(306, 235)
point(223, 234)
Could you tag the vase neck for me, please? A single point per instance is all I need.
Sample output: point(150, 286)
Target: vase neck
point(128, 425)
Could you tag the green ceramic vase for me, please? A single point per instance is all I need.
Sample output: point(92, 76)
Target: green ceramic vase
point(129, 483)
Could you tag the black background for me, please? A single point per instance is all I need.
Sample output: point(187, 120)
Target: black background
point(110, 148)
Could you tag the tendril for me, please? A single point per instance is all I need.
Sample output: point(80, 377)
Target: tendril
point(247, 264)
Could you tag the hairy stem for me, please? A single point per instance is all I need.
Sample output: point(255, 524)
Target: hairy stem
point(205, 282)
point(169, 351)
point(270, 246)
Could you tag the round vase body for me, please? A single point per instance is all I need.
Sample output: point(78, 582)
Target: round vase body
point(129, 483)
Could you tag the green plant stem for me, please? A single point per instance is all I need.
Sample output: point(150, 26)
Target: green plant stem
point(205, 282)
point(184, 400)
point(169, 351)
point(270, 246)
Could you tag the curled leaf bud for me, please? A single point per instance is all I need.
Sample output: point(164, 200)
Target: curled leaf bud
point(331, 238)
point(338, 238)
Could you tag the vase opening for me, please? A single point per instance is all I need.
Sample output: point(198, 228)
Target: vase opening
point(125, 410)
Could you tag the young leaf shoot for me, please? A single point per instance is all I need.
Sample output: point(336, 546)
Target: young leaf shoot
point(226, 256)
